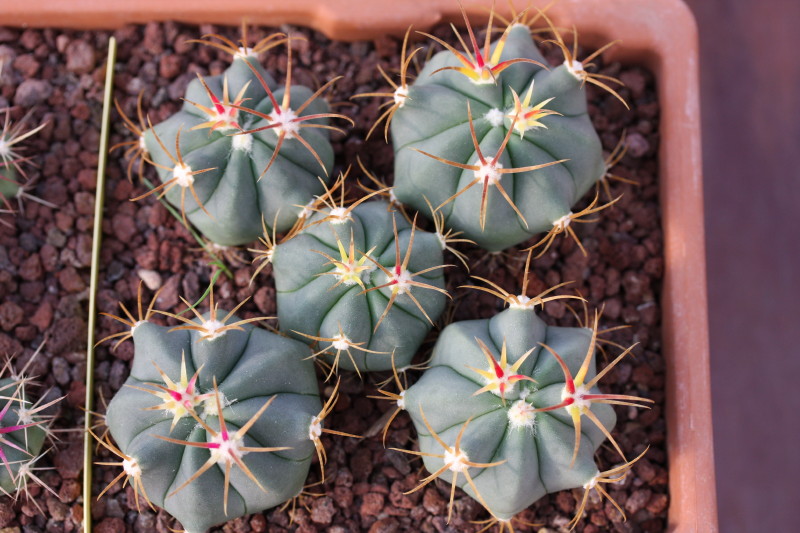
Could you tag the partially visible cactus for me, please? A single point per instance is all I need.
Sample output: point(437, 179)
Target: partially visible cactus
point(242, 150)
point(506, 403)
point(24, 428)
point(500, 144)
point(218, 418)
point(14, 181)
point(360, 282)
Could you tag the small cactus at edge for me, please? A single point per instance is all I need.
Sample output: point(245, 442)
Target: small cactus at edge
point(24, 428)
point(14, 181)
point(499, 143)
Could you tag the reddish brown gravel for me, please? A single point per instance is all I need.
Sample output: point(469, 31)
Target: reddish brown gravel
point(45, 258)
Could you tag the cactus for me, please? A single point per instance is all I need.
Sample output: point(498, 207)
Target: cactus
point(359, 282)
point(241, 150)
point(24, 428)
point(513, 405)
point(500, 144)
point(218, 418)
point(14, 181)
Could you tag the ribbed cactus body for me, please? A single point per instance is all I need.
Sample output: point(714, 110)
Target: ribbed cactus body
point(232, 193)
point(30, 439)
point(313, 300)
point(434, 118)
point(536, 447)
point(250, 368)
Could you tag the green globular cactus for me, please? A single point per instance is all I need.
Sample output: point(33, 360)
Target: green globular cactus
point(500, 144)
point(22, 435)
point(24, 428)
point(14, 182)
point(361, 282)
point(502, 411)
point(242, 150)
point(218, 419)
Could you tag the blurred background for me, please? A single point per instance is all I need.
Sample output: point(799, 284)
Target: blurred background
point(750, 100)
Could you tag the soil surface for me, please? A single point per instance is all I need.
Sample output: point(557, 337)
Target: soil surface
point(45, 259)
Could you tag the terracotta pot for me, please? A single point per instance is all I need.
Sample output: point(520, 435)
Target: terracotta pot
point(662, 36)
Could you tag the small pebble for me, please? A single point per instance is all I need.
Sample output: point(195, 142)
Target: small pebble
point(323, 510)
point(151, 278)
point(10, 315)
point(80, 57)
point(637, 145)
point(32, 92)
point(372, 504)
